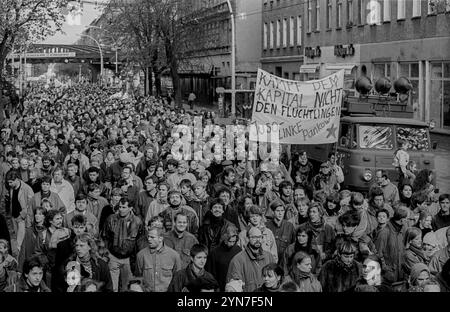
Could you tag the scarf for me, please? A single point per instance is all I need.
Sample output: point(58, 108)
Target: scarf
point(316, 227)
point(420, 253)
point(298, 275)
point(122, 230)
point(86, 264)
point(397, 227)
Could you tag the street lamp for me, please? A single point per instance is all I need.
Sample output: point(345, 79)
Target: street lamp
point(101, 56)
point(116, 48)
point(233, 61)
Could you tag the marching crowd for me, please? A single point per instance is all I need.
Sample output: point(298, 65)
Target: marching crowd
point(93, 200)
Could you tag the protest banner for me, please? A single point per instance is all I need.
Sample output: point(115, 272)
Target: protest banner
point(304, 112)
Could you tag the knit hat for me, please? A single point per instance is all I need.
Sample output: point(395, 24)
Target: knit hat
point(416, 270)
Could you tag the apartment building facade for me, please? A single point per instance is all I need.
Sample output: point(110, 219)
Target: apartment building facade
point(390, 38)
point(282, 37)
point(210, 66)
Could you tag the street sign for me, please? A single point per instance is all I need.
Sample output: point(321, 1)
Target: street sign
point(44, 55)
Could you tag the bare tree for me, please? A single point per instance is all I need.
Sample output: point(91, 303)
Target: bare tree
point(23, 22)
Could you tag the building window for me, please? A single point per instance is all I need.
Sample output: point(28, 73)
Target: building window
point(329, 14)
point(386, 10)
point(361, 12)
point(299, 31)
point(416, 8)
point(291, 31)
point(271, 33)
point(401, 8)
point(374, 16)
point(381, 70)
point(440, 94)
point(350, 13)
point(265, 36)
point(317, 15)
point(285, 32)
point(278, 33)
point(339, 14)
point(309, 15)
point(411, 71)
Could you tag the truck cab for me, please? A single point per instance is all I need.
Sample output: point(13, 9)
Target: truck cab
point(371, 127)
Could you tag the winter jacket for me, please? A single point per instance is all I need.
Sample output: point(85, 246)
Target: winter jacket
point(335, 276)
point(268, 242)
point(390, 248)
point(438, 260)
point(411, 257)
point(100, 272)
point(440, 221)
point(66, 193)
point(169, 215)
point(32, 241)
point(187, 281)
point(212, 230)
point(157, 268)
point(307, 283)
point(22, 286)
point(284, 235)
point(24, 197)
point(143, 202)
point(289, 253)
point(219, 260)
point(53, 198)
point(126, 245)
point(182, 245)
point(247, 267)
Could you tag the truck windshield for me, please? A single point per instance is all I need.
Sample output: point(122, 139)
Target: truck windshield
point(375, 137)
point(417, 137)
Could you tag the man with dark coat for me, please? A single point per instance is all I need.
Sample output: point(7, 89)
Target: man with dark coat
point(390, 247)
point(220, 257)
point(194, 278)
point(214, 225)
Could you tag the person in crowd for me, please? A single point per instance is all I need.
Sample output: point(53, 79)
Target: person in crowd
point(423, 181)
point(268, 242)
point(323, 234)
point(157, 263)
point(63, 189)
point(81, 209)
point(442, 218)
point(390, 191)
point(443, 277)
point(301, 273)
point(194, 278)
point(46, 193)
point(246, 265)
point(18, 203)
point(160, 203)
point(122, 230)
point(371, 280)
point(181, 240)
point(390, 246)
point(88, 262)
point(219, 258)
point(31, 279)
point(325, 181)
point(332, 209)
point(420, 276)
point(73, 178)
point(146, 196)
point(176, 206)
point(8, 265)
point(343, 272)
point(414, 253)
point(302, 170)
point(273, 276)
point(438, 260)
point(282, 230)
point(405, 195)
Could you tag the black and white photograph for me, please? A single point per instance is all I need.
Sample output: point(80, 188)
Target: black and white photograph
point(224, 146)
